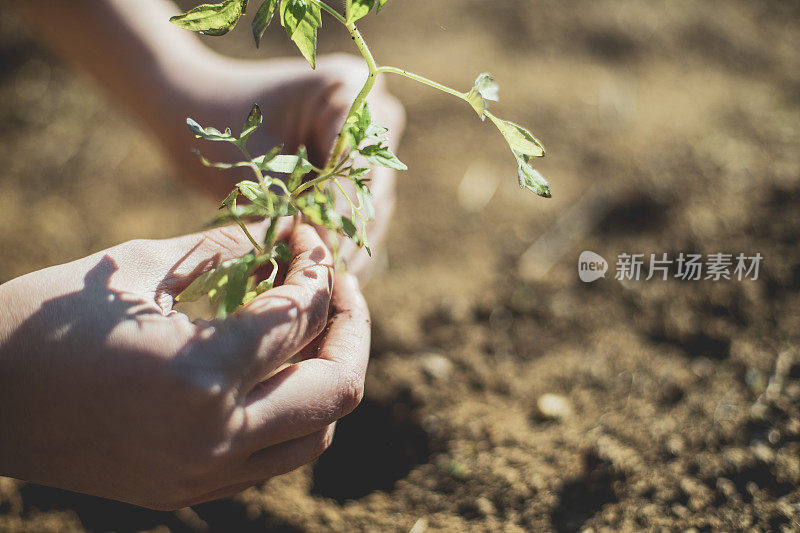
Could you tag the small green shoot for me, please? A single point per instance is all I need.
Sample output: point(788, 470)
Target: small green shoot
point(288, 184)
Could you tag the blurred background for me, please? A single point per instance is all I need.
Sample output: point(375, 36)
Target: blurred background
point(503, 394)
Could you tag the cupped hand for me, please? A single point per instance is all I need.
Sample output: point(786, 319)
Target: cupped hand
point(300, 107)
point(106, 390)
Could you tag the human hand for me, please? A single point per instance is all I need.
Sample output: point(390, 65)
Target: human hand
point(106, 390)
point(300, 107)
point(163, 74)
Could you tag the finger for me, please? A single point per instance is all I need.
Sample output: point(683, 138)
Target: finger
point(219, 494)
point(268, 463)
point(309, 395)
point(282, 458)
point(276, 325)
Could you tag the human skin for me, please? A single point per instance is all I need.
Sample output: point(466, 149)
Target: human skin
point(164, 74)
point(106, 389)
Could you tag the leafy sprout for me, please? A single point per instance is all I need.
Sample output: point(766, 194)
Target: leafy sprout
point(288, 184)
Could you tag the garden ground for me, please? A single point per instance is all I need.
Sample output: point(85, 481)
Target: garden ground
point(671, 126)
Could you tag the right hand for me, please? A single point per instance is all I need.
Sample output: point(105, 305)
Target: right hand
point(300, 106)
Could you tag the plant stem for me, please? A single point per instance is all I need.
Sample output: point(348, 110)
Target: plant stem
point(307, 185)
point(272, 233)
point(274, 273)
point(374, 71)
point(362, 96)
point(423, 80)
point(353, 211)
point(246, 232)
point(255, 168)
point(332, 11)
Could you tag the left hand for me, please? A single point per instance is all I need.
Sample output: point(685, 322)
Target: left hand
point(106, 389)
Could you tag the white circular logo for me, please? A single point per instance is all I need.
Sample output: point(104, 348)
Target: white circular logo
point(591, 266)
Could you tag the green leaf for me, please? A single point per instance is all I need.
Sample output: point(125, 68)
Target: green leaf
point(230, 200)
point(376, 132)
point(253, 192)
point(274, 205)
point(318, 208)
point(292, 13)
point(356, 126)
point(201, 286)
point(241, 212)
point(283, 164)
point(259, 289)
point(263, 18)
point(525, 147)
point(264, 286)
point(212, 19)
point(237, 283)
point(280, 207)
point(349, 228)
point(252, 123)
point(226, 285)
point(378, 154)
point(485, 89)
point(357, 9)
point(210, 134)
point(364, 196)
point(358, 172)
point(519, 139)
point(359, 127)
point(269, 156)
point(529, 178)
point(302, 19)
point(282, 252)
point(300, 170)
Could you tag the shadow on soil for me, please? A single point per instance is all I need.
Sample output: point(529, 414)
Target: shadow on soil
point(583, 497)
point(375, 446)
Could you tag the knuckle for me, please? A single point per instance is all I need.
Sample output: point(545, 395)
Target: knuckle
point(201, 386)
point(322, 442)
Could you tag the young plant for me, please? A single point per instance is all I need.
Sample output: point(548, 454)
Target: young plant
point(289, 185)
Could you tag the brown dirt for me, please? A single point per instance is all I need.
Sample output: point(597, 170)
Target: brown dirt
point(682, 117)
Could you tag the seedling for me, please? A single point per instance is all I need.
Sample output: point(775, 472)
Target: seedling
point(289, 185)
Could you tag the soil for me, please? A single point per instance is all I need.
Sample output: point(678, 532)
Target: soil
point(671, 126)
